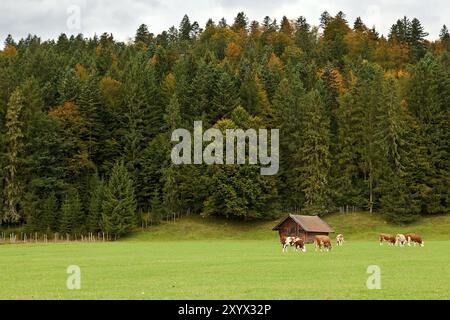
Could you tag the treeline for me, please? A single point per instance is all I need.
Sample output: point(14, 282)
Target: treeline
point(85, 123)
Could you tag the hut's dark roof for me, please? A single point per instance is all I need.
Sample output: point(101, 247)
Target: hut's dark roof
point(308, 223)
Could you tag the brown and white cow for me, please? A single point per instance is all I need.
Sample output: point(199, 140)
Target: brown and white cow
point(300, 245)
point(286, 242)
point(340, 240)
point(400, 240)
point(322, 242)
point(415, 238)
point(386, 237)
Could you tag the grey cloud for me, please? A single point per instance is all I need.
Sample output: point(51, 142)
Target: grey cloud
point(48, 18)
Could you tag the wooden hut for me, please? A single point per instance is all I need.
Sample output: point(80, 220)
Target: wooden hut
point(305, 227)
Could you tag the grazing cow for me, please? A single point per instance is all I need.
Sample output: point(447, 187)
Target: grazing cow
point(400, 240)
point(387, 237)
point(340, 240)
point(322, 242)
point(286, 242)
point(299, 245)
point(415, 238)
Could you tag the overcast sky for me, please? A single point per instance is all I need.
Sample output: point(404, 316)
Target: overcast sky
point(49, 18)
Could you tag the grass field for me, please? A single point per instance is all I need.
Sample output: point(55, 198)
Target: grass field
point(231, 261)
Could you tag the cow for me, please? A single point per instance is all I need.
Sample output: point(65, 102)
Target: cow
point(340, 240)
point(386, 237)
point(286, 242)
point(322, 242)
point(400, 240)
point(299, 245)
point(415, 238)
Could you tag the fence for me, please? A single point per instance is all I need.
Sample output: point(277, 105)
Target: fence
point(22, 237)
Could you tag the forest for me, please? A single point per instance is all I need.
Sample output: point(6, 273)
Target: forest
point(85, 123)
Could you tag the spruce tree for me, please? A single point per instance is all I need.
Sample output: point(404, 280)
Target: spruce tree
point(171, 174)
point(417, 36)
point(49, 213)
point(71, 221)
point(398, 199)
point(314, 156)
point(444, 34)
point(238, 191)
point(359, 142)
point(13, 140)
point(69, 87)
point(444, 37)
point(225, 97)
point(119, 215)
point(155, 206)
point(187, 28)
point(359, 25)
point(428, 99)
point(95, 205)
point(143, 35)
point(240, 22)
point(288, 105)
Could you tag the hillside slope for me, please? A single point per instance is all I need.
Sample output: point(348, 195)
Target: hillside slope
point(355, 226)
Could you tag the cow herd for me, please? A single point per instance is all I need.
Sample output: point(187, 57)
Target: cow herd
point(401, 239)
point(322, 242)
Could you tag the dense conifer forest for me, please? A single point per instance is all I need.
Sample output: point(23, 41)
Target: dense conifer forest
point(85, 123)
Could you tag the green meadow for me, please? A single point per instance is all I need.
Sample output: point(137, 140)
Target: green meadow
point(196, 258)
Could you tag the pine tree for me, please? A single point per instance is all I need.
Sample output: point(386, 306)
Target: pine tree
point(334, 34)
point(202, 92)
point(238, 191)
point(71, 216)
point(171, 174)
point(254, 98)
point(396, 202)
point(173, 116)
point(269, 26)
point(94, 208)
point(345, 171)
point(187, 29)
point(225, 97)
point(428, 99)
point(359, 142)
point(171, 200)
point(119, 206)
point(156, 207)
point(272, 75)
point(155, 158)
point(398, 199)
point(223, 23)
point(444, 36)
point(89, 106)
point(359, 25)
point(69, 87)
point(314, 156)
point(9, 41)
point(305, 38)
point(325, 18)
point(13, 140)
point(417, 38)
point(32, 213)
point(143, 35)
point(49, 211)
point(288, 105)
point(400, 31)
point(240, 22)
point(286, 27)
